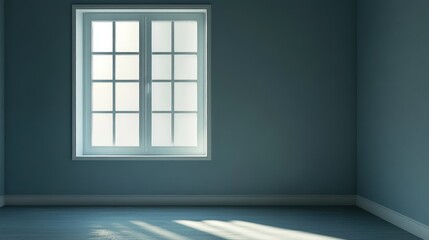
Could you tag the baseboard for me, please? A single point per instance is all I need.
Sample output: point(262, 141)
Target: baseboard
point(417, 228)
point(1, 201)
point(181, 200)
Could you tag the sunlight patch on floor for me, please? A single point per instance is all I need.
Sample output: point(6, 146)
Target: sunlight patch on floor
point(240, 230)
point(105, 234)
point(130, 233)
point(164, 233)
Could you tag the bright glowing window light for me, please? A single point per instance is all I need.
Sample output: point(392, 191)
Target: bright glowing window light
point(105, 234)
point(201, 226)
point(160, 231)
point(284, 233)
point(246, 233)
point(130, 233)
point(238, 230)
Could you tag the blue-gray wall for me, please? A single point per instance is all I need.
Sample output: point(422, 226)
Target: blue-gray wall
point(283, 104)
point(393, 110)
point(2, 173)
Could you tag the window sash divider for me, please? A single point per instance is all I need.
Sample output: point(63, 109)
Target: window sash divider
point(174, 112)
point(172, 84)
point(114, 82)
point(115, 53)
point(115, 111)
point(175, 53)
point(175, 80)
point(144, 91)
point(117, 81)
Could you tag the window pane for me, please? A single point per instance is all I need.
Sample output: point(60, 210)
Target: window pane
point(127, 37)
point(102, 67)
point(127, 129)
point(161, 36)
point(185, 129)
point(161, 67)
point(102, 97)
point(102, 130)
point(185, 36)
point(102, 34)
point(161, 96)
point(185, 67)
point(127, 96)
point(127, 67)
point(185, 96)
point(161, 129)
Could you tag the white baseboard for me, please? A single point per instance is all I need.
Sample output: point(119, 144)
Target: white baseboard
point(181, 200)
point(1, 201)
point(417, 228)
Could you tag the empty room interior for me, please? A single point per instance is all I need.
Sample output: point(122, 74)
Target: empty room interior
point(214, 119)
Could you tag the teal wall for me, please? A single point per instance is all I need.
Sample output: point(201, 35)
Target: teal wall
point(283, 104)
point(393, 111)
point(2, 173)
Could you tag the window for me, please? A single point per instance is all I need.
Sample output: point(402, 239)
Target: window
point(141, 82)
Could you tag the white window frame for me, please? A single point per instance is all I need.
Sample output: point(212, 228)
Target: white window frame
point(82, 14)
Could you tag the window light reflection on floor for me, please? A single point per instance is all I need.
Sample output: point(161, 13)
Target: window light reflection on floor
point(131, 233)
point(159, 231)
point(240, 230)
point(227, 230)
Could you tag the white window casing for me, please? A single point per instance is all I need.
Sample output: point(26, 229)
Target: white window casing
point(141, 88)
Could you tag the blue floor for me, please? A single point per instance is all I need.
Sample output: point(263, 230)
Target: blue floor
point(195, 223)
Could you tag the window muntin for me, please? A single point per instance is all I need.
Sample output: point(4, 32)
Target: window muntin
point(144, 84)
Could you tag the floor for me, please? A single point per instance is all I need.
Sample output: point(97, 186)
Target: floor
point(195, 223)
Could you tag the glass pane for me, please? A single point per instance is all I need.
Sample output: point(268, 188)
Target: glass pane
point(161, 36)
point(102, 96)
point(185, 129)
point(185, 97)
point(127, 96)
point(161, 129)
point(161, 67)
point(102, 35)
point(127, 37)
point(127, 67)
point(102, 129)
point(127, 129)
point(161, 96)
point(185, 67)
point(102, 67)
point(185, 36)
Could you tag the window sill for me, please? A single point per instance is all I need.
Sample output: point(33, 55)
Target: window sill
point(141, 157)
